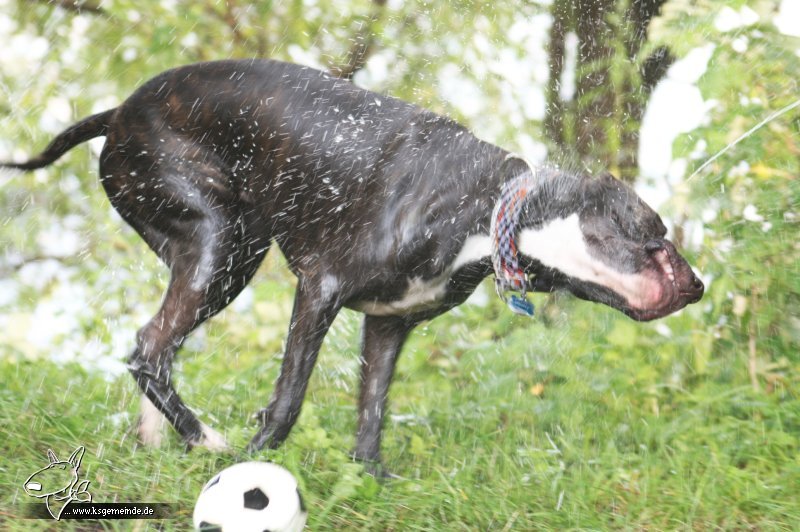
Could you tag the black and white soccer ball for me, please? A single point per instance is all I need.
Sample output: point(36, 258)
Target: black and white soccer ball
point(250, 497)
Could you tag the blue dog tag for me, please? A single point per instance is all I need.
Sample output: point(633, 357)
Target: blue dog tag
point(521, 306)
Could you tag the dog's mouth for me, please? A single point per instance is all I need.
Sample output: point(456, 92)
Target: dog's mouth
point(668, 285)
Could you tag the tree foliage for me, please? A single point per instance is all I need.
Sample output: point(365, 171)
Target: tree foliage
point(748, 201)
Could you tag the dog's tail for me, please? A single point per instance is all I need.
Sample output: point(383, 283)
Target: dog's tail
point(88, 128)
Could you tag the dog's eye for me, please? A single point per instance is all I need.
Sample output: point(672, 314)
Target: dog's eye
point(615, 219)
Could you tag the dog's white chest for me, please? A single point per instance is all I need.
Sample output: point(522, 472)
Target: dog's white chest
point(421, 294)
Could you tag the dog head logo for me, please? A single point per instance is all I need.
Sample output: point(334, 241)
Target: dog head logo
point(58, 483)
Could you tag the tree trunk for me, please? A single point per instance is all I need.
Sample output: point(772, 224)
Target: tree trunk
point(595, 95)
point(600, 126)
point(556, 108)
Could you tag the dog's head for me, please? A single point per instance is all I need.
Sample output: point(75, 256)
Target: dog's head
point(596, 238)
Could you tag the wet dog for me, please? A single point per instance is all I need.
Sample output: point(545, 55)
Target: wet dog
point(378, 206)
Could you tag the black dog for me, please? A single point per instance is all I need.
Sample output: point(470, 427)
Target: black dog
point(378, 205)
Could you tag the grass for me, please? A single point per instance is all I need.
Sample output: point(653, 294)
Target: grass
point(578, 419)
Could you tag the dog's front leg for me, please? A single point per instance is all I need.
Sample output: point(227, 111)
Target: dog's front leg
point(383, 337)
point(316, 304)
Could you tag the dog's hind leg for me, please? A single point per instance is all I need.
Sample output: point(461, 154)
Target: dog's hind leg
point(212, 256)
point(316, 304)
point(383, 337)
point(208, 272)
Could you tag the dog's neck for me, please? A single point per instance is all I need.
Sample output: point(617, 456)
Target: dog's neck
point(542, 202)
point(476, 210)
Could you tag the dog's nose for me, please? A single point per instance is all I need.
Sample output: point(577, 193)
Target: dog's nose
point(654, 245)
point(697, 288)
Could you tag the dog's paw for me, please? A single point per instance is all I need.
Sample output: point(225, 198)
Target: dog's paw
point(375, 468)
point(151, 425)
point(211, 439)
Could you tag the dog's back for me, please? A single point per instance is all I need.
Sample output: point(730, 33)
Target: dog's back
point(278, 131)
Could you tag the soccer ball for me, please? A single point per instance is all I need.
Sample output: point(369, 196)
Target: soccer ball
point(251, 496)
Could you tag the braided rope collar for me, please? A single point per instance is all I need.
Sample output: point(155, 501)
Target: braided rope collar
point(509, 276)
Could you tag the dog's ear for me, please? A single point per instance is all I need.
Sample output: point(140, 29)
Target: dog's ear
point(76, 457)
point(52, 456)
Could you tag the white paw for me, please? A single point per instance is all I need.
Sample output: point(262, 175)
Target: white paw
point(152, 424)
point(211, 439)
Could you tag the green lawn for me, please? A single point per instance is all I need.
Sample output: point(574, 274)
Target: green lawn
point(577, 419)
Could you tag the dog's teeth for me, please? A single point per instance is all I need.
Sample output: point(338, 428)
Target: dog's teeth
point(666, 265)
